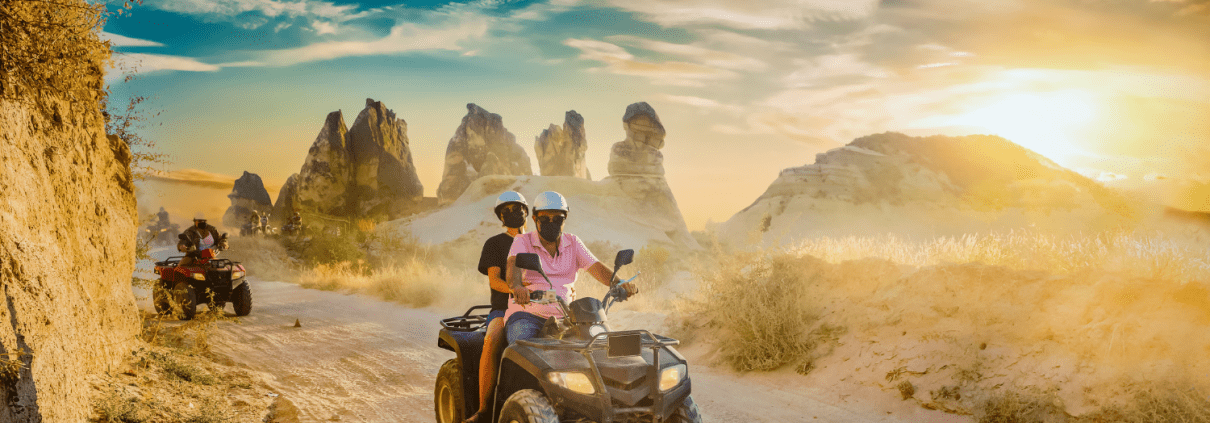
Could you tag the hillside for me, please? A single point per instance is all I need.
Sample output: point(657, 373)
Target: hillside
point(928, 186)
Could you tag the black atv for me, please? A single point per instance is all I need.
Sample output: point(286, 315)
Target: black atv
point(215, 282)
point(577, 370)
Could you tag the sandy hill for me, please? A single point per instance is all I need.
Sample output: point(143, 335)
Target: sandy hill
point(927, 186)
point(601, 211)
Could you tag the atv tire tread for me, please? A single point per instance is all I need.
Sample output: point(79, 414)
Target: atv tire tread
point(241, 299)
point(534, 406)
point(687, 412)
point(451, 375)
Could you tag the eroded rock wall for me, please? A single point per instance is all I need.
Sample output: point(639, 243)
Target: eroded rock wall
point(67, 225)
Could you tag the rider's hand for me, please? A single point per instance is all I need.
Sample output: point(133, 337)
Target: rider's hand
point(631, 289)
point(521, 294)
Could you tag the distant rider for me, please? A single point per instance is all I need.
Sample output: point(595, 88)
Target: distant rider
point(512, 210)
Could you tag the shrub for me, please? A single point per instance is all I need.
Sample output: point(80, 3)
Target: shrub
point(327, 249)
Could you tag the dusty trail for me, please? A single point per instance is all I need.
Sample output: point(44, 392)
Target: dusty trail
point(359, 359)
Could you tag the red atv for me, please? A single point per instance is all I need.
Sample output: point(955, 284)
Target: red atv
point(212, 281)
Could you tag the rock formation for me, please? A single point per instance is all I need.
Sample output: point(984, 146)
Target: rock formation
point(248, 195)
point(480, 146)
point(363, 172)
point(67, 221)
point(925, 186)
point(637, 167)
point(560, 150)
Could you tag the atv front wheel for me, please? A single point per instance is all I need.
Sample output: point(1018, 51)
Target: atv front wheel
point(528, 406)
point(162, 299)
point(686, 413)
point(185, 296)
point(448, 398)
point(241, 299)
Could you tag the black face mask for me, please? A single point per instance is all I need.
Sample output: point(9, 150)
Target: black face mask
point(513, 219)
point(551, 228)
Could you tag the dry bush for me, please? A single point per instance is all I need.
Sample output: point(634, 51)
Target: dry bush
point(1018, 406)
point(415, 283)
point(1158, 404)
point(758, 310)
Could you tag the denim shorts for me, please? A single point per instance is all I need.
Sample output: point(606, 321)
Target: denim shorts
point(522, 325)
point(492, 316)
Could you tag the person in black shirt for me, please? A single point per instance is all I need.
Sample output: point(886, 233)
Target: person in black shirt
point(512, 210)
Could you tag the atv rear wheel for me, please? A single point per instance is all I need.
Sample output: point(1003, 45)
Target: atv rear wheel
point(528, 406)
point(448, 398)
point(241, 299)
point(686, 413)
point(185, 296)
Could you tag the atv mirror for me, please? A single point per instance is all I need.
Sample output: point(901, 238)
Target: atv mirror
point(529, 261)
point(624, 258)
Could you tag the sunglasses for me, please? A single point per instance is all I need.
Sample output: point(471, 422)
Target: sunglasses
point(551, 219)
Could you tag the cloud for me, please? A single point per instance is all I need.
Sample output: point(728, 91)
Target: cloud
point(143, 63)
point(116, 40)
point(701, 103)
point(708, 57)
point(818, 70)
point(619, 61)
point(766, 14)
point(403, 38)
point(195, 177)
point(251, 14)
point(322, 27)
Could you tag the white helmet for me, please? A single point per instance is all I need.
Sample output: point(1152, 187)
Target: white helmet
point(511, 197)
point(199, 216)
point(550, 200)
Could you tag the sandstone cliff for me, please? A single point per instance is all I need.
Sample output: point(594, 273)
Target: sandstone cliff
point(560, 150)
point(480, 146)
point(927, 186)
point(67, 225)
point(247, 196)
point(363, 172)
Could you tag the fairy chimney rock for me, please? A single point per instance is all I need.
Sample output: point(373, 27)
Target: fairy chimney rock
point(560, 150)
point(639, 153)
point(247, 196)
point(480, 146)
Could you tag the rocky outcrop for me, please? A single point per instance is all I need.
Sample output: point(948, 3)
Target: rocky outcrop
point(926, 186)
point(637, 167)
point(363, 172)
point(248, 195)
point(67, 225)
point(384, 179)
point(560, 150)
point(480, 146)
point(640, 153)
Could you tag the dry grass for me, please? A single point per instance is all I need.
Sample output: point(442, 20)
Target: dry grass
point(1086, 317)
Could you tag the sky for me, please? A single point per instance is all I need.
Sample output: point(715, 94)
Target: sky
point(1118, 90)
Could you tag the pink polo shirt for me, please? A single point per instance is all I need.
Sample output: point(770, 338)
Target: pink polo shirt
point(561, 270)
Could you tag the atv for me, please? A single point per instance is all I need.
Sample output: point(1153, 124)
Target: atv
point(576, 370)
point(214, 282)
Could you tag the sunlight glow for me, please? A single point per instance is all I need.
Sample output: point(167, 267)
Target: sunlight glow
point(1043, 122)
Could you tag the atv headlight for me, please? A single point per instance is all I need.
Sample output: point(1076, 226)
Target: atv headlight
point(199, 276)
point(574, 381)
point(672, 376)
point(236, 274)
point(595, 330)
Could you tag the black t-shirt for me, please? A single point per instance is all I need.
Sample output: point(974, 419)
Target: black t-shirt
point(495, 254)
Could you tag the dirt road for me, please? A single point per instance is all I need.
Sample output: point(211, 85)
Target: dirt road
point(359, 359)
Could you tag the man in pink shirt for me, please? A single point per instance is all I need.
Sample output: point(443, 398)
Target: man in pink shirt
point(562, 255)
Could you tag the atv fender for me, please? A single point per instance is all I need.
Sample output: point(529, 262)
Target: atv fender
point(469, 347)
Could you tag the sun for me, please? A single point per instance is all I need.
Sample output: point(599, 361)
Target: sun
point(1046, 123)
